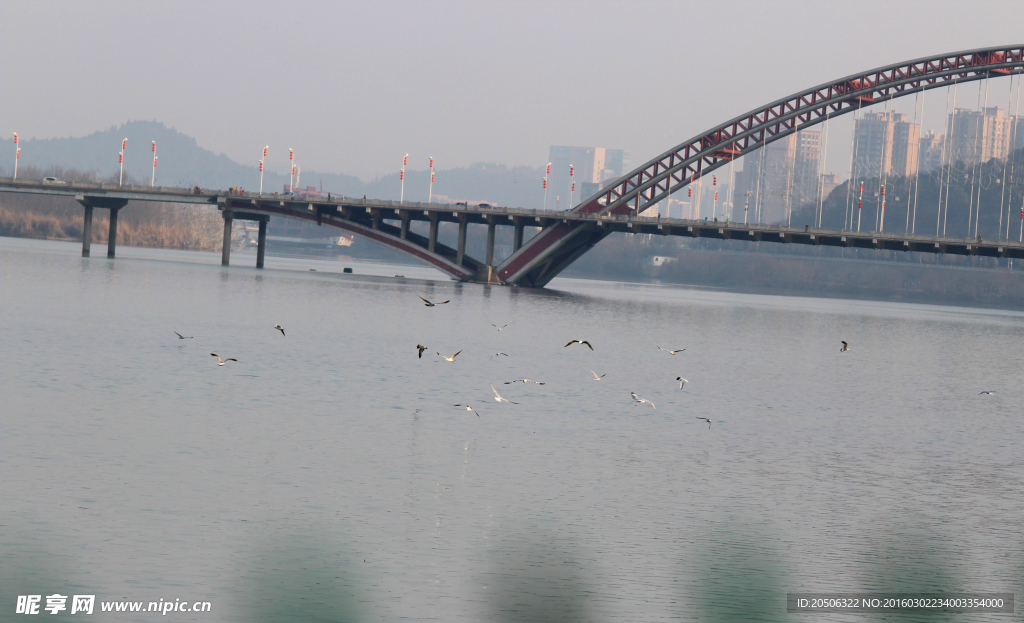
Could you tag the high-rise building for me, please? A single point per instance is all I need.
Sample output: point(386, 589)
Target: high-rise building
point(930, 150)
point(781, 179)
point(978, 136)
point(591, 165)
point(886, 144)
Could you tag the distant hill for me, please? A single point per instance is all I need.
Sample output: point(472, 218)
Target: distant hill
point(184, 163)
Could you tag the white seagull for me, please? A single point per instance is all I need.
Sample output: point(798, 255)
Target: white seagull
point(449, 359)
point(989, 393)
point(496, 354)
point(222, 361)
point(498, 398)
point(468, 408)
point(706, 420)
point(845, 348)
point(682, 381)
point(672, 352)
point(523, 381)
point(182, 337)
point(596, 377)
point(578, 342)
point(429, 304)
point(279, 328)
point(637, 400)
point(499, 328)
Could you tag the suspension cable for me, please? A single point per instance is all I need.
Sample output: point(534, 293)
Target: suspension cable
point(949, 169)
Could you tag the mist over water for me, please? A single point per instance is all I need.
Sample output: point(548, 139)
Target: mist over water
point(327, 475)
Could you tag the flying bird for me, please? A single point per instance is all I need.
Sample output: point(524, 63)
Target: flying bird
point(987, 393)
point(706, 420)
point(421, 348)
point(182, 337)
point(596, 377)
point(499, 328)
point(498, 398)
point(578, 342)
point(468, 408)
point(845, 347)
point(637, 400)
point(220, 361)
point(496, 354)
point(429, 304)
point(672, 352)
point(449, 359)
point(523, 381)
point(682, 381)
point(279, 328)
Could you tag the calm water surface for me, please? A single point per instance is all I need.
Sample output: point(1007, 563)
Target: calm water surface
point(327, 475)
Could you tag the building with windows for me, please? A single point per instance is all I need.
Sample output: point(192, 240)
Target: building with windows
point(593, 169)
point(979, 136)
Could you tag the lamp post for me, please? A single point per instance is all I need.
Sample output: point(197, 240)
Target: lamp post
point(572, 185)
point(17, 155)
point(746, 206)
point(547, 174)
point(714, 204)
point(152, 180)
point(124, 145)
point(291, 163)
point(261, 167)
point(860, 204)
point(401, 177)
point(881, 221)
point(430, 194)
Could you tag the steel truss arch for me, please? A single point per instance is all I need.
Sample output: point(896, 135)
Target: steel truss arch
point(674, 169)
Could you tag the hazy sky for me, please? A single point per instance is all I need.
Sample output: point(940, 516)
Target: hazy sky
point(352, 86)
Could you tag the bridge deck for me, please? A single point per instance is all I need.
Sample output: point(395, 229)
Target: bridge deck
point(372, 213)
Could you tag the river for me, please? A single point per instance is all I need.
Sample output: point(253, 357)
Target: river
point(327, 474)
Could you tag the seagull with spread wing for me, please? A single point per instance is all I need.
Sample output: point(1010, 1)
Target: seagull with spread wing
point(420, 348)
point(706, 420)
point(183, 337)
point(578, 342)
point(279, 328)
point(427, 303)
point(638, 400)
point(468, 408)
point(449, 359)
point(682, 381)
point(845, 348)
point(222, 361)
point(499, 328)
point(523, 381)
point(498, 398)
point(672, 352)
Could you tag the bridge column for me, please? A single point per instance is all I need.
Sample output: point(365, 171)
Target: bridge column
point(490, 243)
point(225, 252)
point(461, 250)
point(405, 226)
point(433, 233)
point(112, 235)
point(517, 237)
point(261, 243)
point(87, 231)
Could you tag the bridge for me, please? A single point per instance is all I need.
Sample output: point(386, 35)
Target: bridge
point(565, 236)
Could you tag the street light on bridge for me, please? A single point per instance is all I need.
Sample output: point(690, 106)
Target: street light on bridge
point(291, 162)
point(17, 155)
point(430, 194)
point(261, 167)
point(401, 178)
point(746, 206)
point(120, 160)
point(152, 181)
point(547, 174)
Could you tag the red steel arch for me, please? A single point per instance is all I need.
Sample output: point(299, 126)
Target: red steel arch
point(649, 183)
point(546, 254)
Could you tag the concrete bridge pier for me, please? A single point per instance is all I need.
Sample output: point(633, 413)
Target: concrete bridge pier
point(405, 226)
point(112, 234)
point(114, 205)
point(87, 231)
point(461, 249)
point(225, 251)
point(261, 243)
point(517, 237)
point(432, 241)
point(490, 243)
